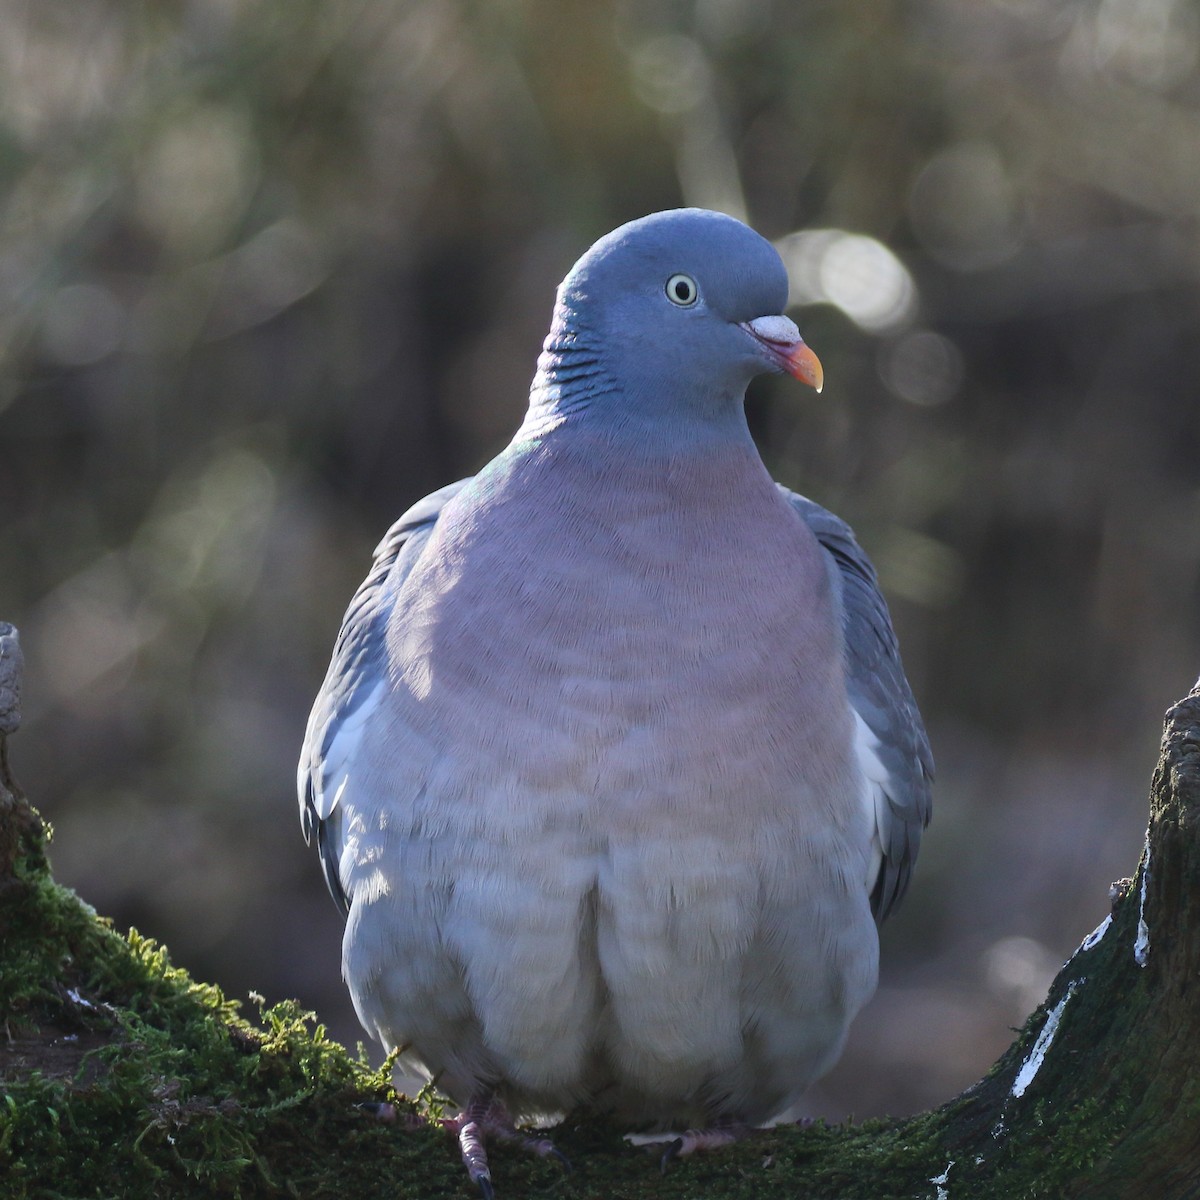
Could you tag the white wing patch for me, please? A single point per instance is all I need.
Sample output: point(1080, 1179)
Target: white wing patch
point(338, 762)
point(875, 779)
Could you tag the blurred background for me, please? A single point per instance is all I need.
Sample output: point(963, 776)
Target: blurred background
point(270, 270)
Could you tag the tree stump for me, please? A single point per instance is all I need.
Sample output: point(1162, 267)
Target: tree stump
point(121, 1075)
point(1100, 1095)
point(20, 826)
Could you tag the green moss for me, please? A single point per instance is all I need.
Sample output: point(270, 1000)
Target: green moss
point(174, 1093)
point(169, 1092)
point(139, 1082)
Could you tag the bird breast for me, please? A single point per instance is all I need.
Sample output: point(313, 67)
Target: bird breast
point(598, 638)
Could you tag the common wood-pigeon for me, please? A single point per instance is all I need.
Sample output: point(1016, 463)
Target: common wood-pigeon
point(616, 767)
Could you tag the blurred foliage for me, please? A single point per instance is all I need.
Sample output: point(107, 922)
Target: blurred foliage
point(272, 269)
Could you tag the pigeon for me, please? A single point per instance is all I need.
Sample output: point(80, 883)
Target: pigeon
point(616, 769)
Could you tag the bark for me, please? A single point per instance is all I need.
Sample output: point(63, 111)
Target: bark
point(19, 824)
point(1100, 1095)
point(119, 1068)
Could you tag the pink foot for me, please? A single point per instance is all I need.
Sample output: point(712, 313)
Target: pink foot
point(724, 1133)
point(486, 1117)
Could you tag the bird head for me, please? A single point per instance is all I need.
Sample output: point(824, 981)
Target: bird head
point(672, 315)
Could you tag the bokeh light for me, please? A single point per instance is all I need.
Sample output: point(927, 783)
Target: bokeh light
point(855, 273)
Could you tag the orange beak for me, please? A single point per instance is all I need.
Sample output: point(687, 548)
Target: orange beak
point(800, 361)
point(781, 339)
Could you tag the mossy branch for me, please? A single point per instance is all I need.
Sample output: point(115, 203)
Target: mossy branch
point(121, 1076)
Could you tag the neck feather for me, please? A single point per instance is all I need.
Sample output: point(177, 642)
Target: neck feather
point(576, 384)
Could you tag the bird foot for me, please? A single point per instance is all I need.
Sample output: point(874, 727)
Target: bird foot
point(690, 1141)
point(488, 1118)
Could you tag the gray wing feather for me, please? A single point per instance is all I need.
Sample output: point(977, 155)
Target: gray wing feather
point(881, 697)
point(356, 677)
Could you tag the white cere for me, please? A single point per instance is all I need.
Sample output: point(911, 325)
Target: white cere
point(776, 329)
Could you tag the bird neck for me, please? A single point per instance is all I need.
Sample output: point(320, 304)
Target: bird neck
point(580, 382)
point(571, 374)
point(619, 465)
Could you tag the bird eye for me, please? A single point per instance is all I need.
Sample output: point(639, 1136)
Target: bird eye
point(682, 290)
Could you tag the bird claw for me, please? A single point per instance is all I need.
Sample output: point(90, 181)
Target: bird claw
point(474, 1152)
point(488, 1118)
point(672, 1152)
point(543, 1147)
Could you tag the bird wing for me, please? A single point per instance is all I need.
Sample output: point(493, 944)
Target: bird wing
point(890, 738)
point(357, 681)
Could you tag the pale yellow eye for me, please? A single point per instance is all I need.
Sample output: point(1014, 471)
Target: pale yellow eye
point(682, 290)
